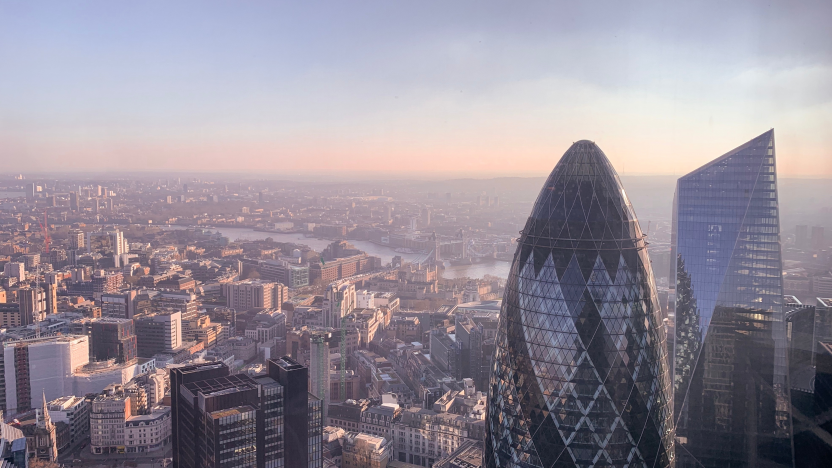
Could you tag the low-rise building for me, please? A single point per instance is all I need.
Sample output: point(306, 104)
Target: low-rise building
point(75, 412)
point(361, 450)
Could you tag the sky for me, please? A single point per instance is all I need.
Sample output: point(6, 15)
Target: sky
point(462, 88)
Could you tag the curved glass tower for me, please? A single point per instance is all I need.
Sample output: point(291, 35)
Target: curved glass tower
point(580, 373)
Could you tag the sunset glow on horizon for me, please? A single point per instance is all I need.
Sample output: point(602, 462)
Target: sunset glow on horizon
point(480, 90)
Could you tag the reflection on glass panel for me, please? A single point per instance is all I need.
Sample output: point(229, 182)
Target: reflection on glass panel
point(580, 375)
point(731, 382)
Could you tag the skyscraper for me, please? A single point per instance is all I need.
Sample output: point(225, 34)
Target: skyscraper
point(224, 420)
point(580, 375)
point(731, 371)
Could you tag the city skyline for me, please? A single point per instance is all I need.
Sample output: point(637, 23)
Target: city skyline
point(379, 89)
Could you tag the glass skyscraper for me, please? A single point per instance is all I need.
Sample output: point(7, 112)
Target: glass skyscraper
point(731, 391)
point(580, 375)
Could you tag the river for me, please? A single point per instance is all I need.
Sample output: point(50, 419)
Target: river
point(499, 269)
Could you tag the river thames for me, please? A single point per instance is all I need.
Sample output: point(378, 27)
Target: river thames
point(495, 268)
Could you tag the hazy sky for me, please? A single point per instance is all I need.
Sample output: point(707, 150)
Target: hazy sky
point(477, 88)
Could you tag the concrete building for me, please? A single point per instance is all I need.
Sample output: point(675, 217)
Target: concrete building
point(40, 366)
point(254, 294)
point(319, 366)
point(364, 451)
point(118, 304)
point(183, 301)
point(148, 432)
point(76, 240)
point(73, 411)
point(339, 300)
point(158, 333)
point(16, 270)
point(32, 304)
point(422, 437)
point(108, 414)
point(50, 291)
point(114, 338)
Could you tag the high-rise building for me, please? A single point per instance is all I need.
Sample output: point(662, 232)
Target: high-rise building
point(16, 270)
point(580, 375)
point(32, 305)
point(76, 240)
point(50, 291)
point(731, 370)
point(73, 202)
point(114, 338)
point(319, 367)
point(222, 420)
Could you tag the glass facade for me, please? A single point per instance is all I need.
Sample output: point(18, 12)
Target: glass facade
point(731, 390)
point(580, 375)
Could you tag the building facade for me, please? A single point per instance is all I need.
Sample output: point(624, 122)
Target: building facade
point(580, 373)
point(731, 371)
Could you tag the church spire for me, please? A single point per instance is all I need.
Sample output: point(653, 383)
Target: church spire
point(45, 420)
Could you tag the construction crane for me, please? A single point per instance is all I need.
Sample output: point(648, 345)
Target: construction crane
point(44, 229)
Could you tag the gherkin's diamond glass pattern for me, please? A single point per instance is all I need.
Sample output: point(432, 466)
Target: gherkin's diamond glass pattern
point(580, 375)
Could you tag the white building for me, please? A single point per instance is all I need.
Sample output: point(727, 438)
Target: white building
point(44, 366)
point(74, 411)
point(365, 299)
point(148, 432)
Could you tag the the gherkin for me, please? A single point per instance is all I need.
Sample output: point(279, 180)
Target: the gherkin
point(580, 376)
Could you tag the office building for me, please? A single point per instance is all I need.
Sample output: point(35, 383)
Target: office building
point(319, 367)
point(32, 305)
point(73, 202)
point(580, 373)
point(108, 413)
point(422, 436)
point(106, 282)
point(16, 270)
point(254, 294)
point(158, 333)
point(76, 240)
point(731, 386)
point(182, 301)
point(222, 420)
point(40, 366)
point(73, 411)
point(50, 291)
point(113, 338)
point(118, 304)
point(364, 451)
point(339, 300)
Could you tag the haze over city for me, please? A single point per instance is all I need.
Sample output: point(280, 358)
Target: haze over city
point(466, 234)
point(429, 89)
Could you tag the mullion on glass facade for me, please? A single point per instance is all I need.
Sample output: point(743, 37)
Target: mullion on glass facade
point(730, 372)
point(580, 375)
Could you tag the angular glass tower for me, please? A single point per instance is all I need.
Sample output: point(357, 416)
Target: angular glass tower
point(580, 375)
point(731, 392)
